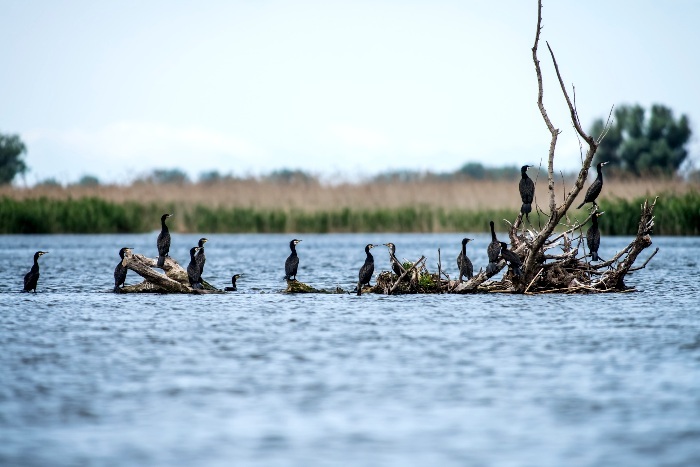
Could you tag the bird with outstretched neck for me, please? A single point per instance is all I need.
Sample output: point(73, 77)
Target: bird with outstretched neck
point(464, 264)
point(511, 258)
point(527, 192)
point(201, 258)
point(593, 236)
point(595, 188)
point(163, 241)
point(120, 271)
point(366, 270)
point(493, 251)
point(292, 264)
point(193, 270)
point(233, 283)
point(396, 265)
point(32, 277)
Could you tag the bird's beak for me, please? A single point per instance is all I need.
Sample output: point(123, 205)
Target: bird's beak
point(605, 163)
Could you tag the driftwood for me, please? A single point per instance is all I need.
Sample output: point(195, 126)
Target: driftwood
point(173, 281)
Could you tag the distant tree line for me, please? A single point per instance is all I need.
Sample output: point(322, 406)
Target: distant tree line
point(636, 143)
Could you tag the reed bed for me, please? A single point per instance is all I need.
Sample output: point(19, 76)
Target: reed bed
point(677, 214)
point(466, 195)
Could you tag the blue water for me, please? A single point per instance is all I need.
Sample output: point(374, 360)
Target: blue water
point(258, 377)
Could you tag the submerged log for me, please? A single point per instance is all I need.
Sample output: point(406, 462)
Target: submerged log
point(174, 280)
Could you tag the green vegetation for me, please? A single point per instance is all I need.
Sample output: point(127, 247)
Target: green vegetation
point(11, 162)
point(676, 215)
point(639, 145)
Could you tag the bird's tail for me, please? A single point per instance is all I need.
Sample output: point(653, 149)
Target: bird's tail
point(581, 205)
point(161, 261)
point(359, 289)
point(526, 208)
point(517, 271)
point(594, 256)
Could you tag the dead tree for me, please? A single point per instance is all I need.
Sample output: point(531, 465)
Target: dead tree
point(565, 272)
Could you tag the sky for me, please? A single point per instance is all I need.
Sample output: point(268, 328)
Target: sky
point(338, 89)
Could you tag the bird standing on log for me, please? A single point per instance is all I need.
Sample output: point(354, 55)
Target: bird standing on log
point(463, 262)
point(120, 271)
point(366, 270)
point(163, 241)
point(396, 265)
point(527, 192)
point(493, 251)
point(32, 277)
point(595, 188)
point(593, 236)
point(292, 263)
point(233, 283)
point(193, 270)
point(511, 258)
point(201, 259)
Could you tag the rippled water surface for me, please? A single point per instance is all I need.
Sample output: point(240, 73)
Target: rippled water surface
point(259, 377)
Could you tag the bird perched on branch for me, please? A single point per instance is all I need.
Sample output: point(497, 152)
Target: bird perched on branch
point(527, 192)
point(163, 241)
point(233, 283)
point(366, 270)
point(32, 277)
point(193, 270)
point(511, 258)
point(463, 262)
point(201, 258)
point(595, 188)
point(396, 265)
point(292, 263)
point(593, 236)
point(493, 251)
point(120, 271)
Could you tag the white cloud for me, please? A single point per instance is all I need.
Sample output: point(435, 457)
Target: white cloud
point(359, 137)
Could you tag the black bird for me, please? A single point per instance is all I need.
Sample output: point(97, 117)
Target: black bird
point(493, 250)
point(292, 263)
point(120, 271)
point(463, 262)
point(594, 189)
point(366, 270)
point(201, 259)
point(396, 265)
point(193, 270)
point(511, 258)
point(527, 192)
point(593, 236)
point(233, 283)
point(32, 277)
point(163, 241)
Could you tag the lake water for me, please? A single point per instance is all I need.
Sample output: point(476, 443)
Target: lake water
point(258, 377)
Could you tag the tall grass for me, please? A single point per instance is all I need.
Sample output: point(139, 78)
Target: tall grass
point(676, 214)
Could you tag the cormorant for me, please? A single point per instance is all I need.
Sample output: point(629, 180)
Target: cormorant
point(163, 241)
point(366, 270)
point(527, 192)
point(201, 259)
point(32, 277)
point(511, 258)
point(292, 263)
point(193, 270)
point(594, 189)
point(120, 271)
point(233, 283)
point(593, 236)
point(493, 250)
point(396, 265)
point(463, 262)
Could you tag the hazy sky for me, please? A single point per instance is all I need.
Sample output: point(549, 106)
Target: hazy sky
point(116, 89)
